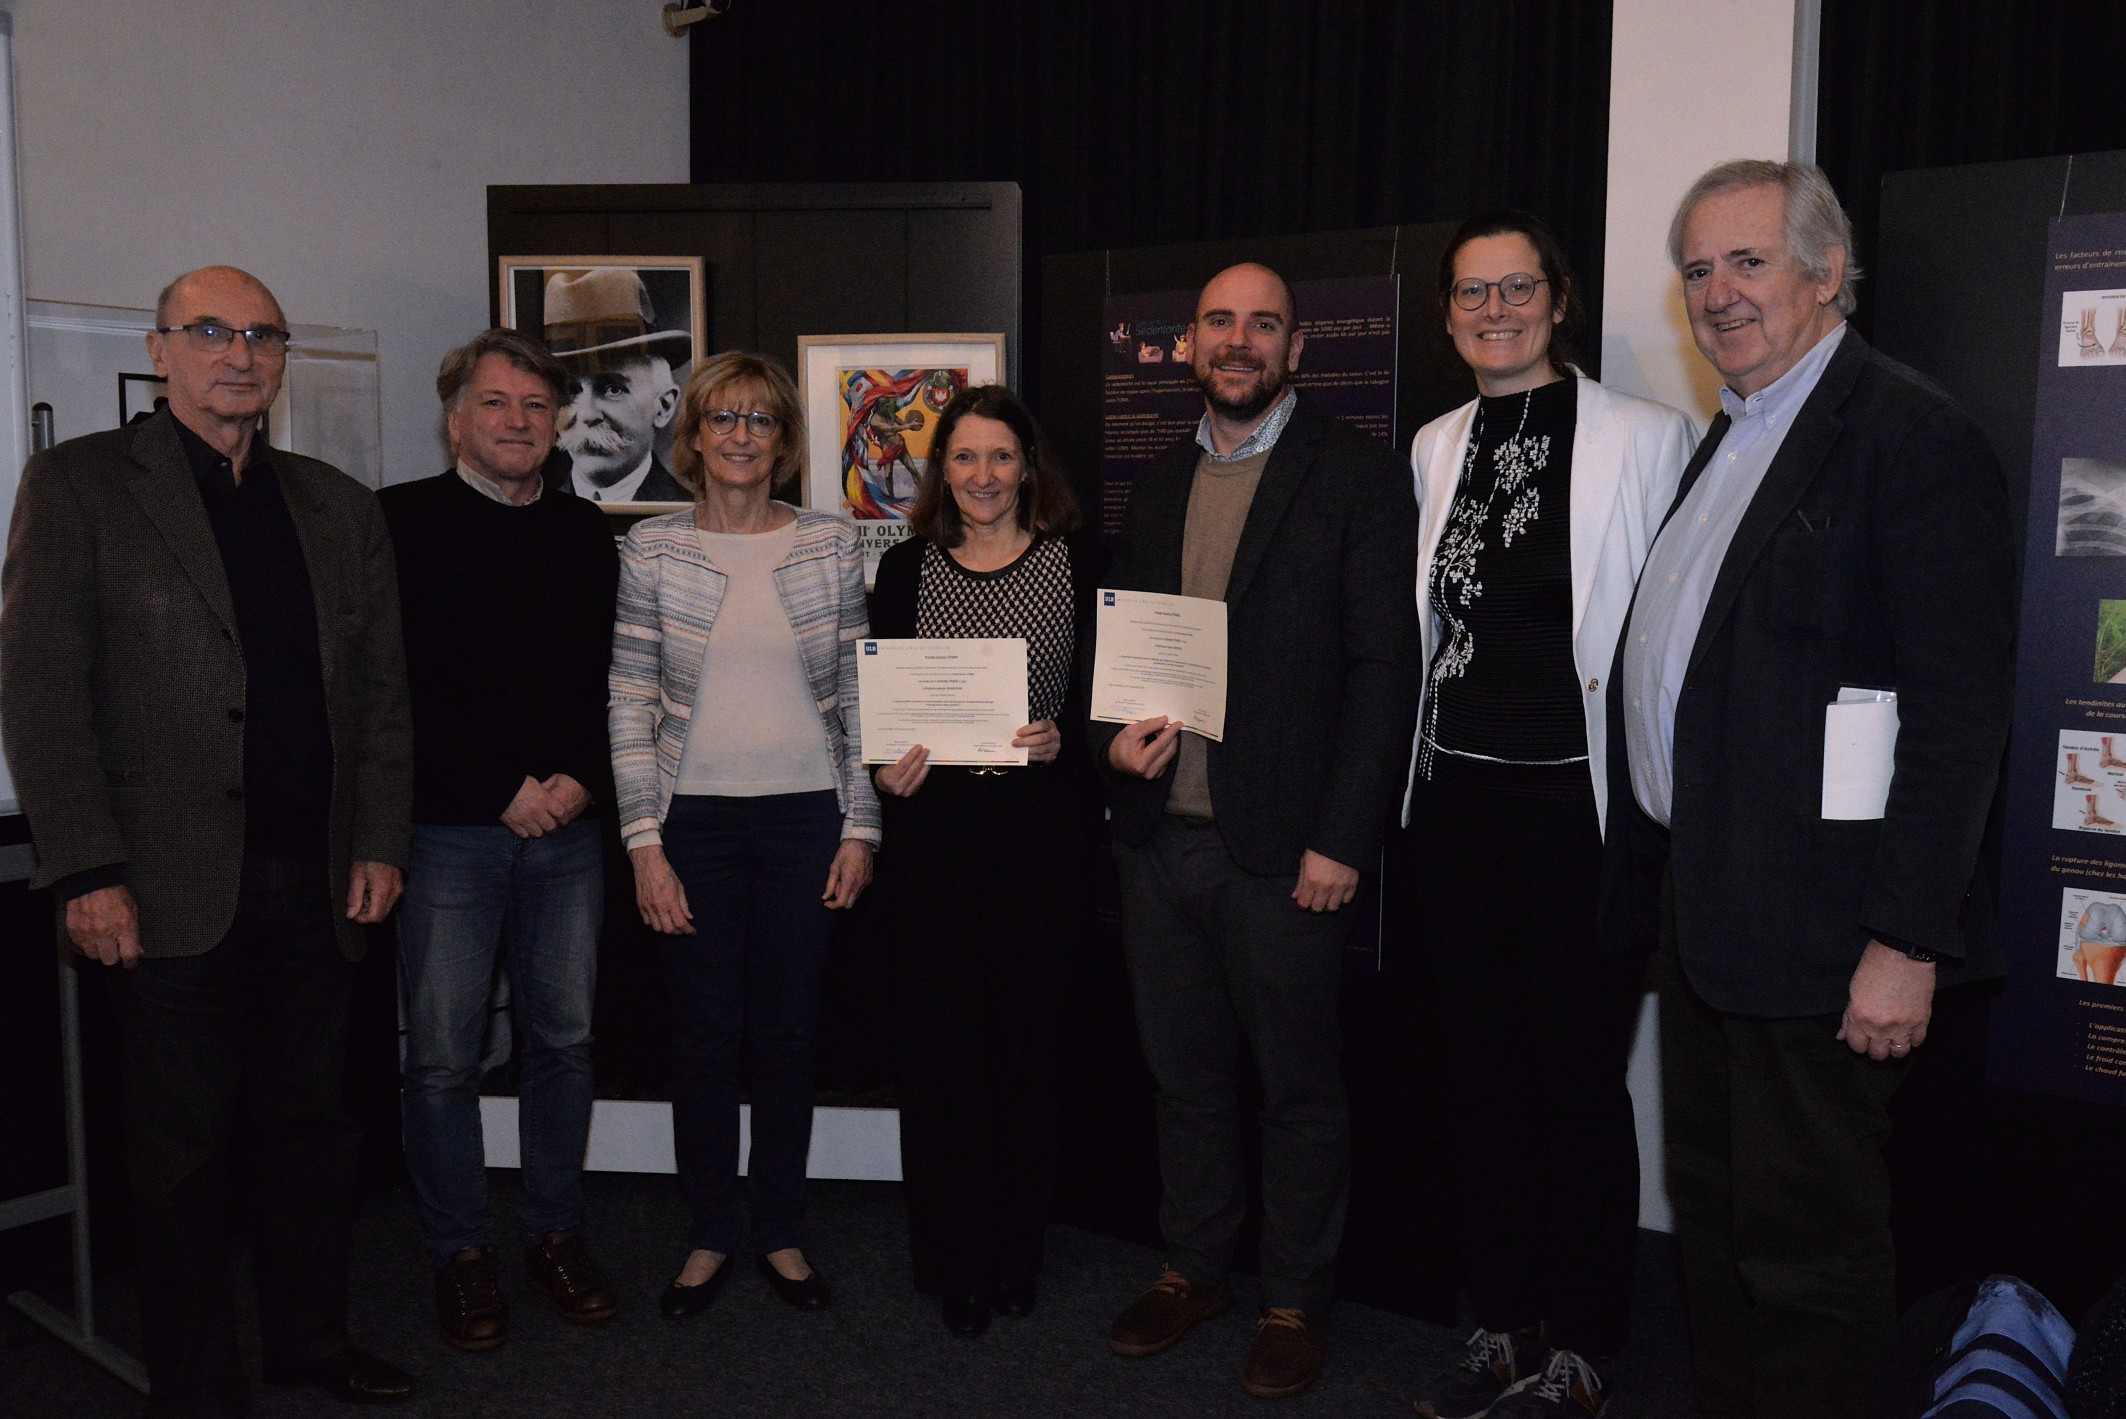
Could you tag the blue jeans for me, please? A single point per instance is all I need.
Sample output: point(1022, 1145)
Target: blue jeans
point(470, 892)
point(753, 870)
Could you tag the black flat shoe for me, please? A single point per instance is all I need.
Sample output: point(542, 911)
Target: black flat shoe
point(352, 1375)
point(1014, 1298)
point(966, 1315)
point(810, 1294)
point(679, 1302)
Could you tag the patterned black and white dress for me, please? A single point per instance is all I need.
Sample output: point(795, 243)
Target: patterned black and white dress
point(979, 878)
point(1031, 598)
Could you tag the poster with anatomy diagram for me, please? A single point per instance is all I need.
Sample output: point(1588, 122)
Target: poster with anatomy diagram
point(2060, 1026)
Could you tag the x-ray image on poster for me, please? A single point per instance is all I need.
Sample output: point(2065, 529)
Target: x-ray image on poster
point(2060, 1026)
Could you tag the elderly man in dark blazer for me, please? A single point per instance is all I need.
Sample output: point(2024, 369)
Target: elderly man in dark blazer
point(1236, 858)
point(1842, 534)
point(203, 698)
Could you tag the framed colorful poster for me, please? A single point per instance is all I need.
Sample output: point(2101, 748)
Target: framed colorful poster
point(871, 403)
point(628, 329)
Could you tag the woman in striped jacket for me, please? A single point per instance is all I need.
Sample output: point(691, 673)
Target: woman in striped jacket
point(744, 804)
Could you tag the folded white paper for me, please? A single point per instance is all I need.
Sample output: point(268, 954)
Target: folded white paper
point(1859, 753)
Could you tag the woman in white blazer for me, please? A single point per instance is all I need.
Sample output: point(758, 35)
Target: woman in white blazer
point(1537, 501)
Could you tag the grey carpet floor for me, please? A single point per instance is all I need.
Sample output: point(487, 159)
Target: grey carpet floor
point(880, 1351)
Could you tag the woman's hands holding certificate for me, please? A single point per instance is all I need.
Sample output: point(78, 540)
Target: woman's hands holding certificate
point(905, 775)
point(1041, 740)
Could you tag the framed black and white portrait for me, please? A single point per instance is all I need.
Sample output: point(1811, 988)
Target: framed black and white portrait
point(628, 329)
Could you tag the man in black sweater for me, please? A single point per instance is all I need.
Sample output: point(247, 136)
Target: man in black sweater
point(507, 593)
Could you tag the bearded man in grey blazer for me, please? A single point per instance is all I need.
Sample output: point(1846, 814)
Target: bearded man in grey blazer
point(203, 701)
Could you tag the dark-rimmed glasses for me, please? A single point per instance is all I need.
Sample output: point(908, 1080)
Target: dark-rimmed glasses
point(1517, 288)
point(722, 421)
point(213, 336)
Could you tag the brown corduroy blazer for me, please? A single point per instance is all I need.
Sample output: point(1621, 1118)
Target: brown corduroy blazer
point(122, 678)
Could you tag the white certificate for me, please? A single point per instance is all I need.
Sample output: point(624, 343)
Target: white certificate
point(962, 700)
point(1157, 655)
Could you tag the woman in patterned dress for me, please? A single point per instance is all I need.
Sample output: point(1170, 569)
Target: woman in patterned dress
point(744, 804)
point(982, 881)
point(1537, 503)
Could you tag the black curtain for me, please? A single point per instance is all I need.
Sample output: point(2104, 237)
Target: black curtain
point(1905, 85)
point(1139, 124)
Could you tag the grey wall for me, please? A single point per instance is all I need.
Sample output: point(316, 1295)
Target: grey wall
point(340, 151)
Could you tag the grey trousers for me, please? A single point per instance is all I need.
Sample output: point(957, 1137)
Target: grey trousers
point(1221, 960)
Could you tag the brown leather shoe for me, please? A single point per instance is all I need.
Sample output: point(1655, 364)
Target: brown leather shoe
point(1162, 1315)
point(559, 1267)
point(1287, 1354)
point(469, 1303)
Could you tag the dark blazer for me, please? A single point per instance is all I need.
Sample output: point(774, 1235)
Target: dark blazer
point(1321, 642)
point(122, 679)
point(1877, 553)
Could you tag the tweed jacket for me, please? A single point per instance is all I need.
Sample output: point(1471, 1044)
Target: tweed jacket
point(669, 595)
point(122, 678)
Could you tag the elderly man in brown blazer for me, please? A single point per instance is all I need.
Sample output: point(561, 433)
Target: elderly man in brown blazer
point(203, 701)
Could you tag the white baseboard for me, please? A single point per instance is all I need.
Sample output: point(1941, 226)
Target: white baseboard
point(635, 1136)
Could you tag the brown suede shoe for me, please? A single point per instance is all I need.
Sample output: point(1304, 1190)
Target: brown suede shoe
point(1164, 1314)
point(469, 1304)
point(1287, 1354)
point(559, 1267)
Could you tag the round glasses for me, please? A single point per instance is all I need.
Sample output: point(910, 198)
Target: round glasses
point(723, 421)
point(1515, 289)
point(213, 336)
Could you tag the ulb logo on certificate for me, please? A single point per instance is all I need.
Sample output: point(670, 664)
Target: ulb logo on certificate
point(1107, 598)
point(871, 647)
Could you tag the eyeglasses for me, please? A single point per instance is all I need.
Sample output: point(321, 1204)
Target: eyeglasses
point(723, 421)
point(1516, 289)
point(213, 336)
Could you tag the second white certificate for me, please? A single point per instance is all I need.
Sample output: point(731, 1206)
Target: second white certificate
point(962, 700)
point(1160, 655)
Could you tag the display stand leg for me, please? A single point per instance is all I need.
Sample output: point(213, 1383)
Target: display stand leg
point(71, 1201)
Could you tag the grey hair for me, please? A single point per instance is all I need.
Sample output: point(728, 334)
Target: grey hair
point(1814, 220)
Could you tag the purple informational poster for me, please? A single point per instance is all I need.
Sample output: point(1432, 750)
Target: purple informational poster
point(2060, 1026)
point(1148, 396)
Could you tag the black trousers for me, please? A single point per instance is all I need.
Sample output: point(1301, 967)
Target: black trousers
point(1775, 1134)
point(1221, 960)
point(979, 885)
point(747, 980)
point(1532, 1027)
point(233, 1063)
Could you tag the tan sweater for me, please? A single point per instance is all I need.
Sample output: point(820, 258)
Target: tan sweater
point(1218, 503)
